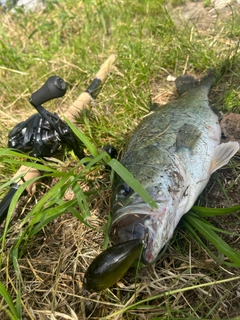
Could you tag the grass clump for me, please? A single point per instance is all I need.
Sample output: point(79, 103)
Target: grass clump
point(51, 237)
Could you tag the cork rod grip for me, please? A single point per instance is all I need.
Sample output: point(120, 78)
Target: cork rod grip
point(29, 174)
point(85, 98)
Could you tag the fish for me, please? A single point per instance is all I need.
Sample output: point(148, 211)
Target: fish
point(172, 152)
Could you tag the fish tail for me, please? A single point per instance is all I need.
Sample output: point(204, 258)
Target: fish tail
point(187, 82)
point(207, 80)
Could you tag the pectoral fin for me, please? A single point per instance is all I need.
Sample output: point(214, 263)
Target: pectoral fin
point(187, 136)
point(224, 152)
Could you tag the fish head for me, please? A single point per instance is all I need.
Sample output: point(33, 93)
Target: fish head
point(133, 219)
point(165, 180)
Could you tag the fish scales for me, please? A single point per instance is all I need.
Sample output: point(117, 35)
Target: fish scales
point(172, 153)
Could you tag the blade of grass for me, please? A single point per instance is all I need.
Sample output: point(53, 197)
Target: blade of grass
point(35, 165)
point(48, 215)
point(106, 228)
point(197, 238)
point(132, 182)
point(79, 217)
point(206, 229)
point(211, 212)
point(11, 208)
point(6, 296)
point(14, 255)
point(81, 200)
point(208, 223)
point(167, 293)
point(116, 166)
point(83, 138)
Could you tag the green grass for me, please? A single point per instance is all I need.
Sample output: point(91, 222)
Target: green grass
point(47, 240)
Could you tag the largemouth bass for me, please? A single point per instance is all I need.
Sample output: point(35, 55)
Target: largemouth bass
point(172, 153)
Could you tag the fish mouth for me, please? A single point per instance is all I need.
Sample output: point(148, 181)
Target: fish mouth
point(135, 222)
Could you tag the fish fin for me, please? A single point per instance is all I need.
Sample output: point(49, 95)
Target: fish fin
point(186, 82)
point(224, 152)
point(217, 112)
point(187, 136)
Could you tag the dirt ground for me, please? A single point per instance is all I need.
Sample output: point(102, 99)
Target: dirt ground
point(55, 262)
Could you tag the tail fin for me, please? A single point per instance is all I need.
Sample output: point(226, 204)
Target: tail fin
point(187, 82)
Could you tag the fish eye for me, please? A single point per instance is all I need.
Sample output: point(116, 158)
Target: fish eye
point(124, 191)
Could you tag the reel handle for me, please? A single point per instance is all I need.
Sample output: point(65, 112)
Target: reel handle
point(54, 87)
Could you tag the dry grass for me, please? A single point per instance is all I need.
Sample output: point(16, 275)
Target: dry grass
point(186, 283)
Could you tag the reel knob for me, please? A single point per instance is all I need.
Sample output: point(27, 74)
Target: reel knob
point(54, 87)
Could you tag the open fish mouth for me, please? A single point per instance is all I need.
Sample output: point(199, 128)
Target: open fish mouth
point(129, 227)
point(132, 222)
point(128, 223)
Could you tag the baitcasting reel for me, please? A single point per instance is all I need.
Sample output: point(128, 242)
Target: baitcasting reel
point(43, 133)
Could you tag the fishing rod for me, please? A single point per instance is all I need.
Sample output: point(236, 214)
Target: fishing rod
point(42, 134)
